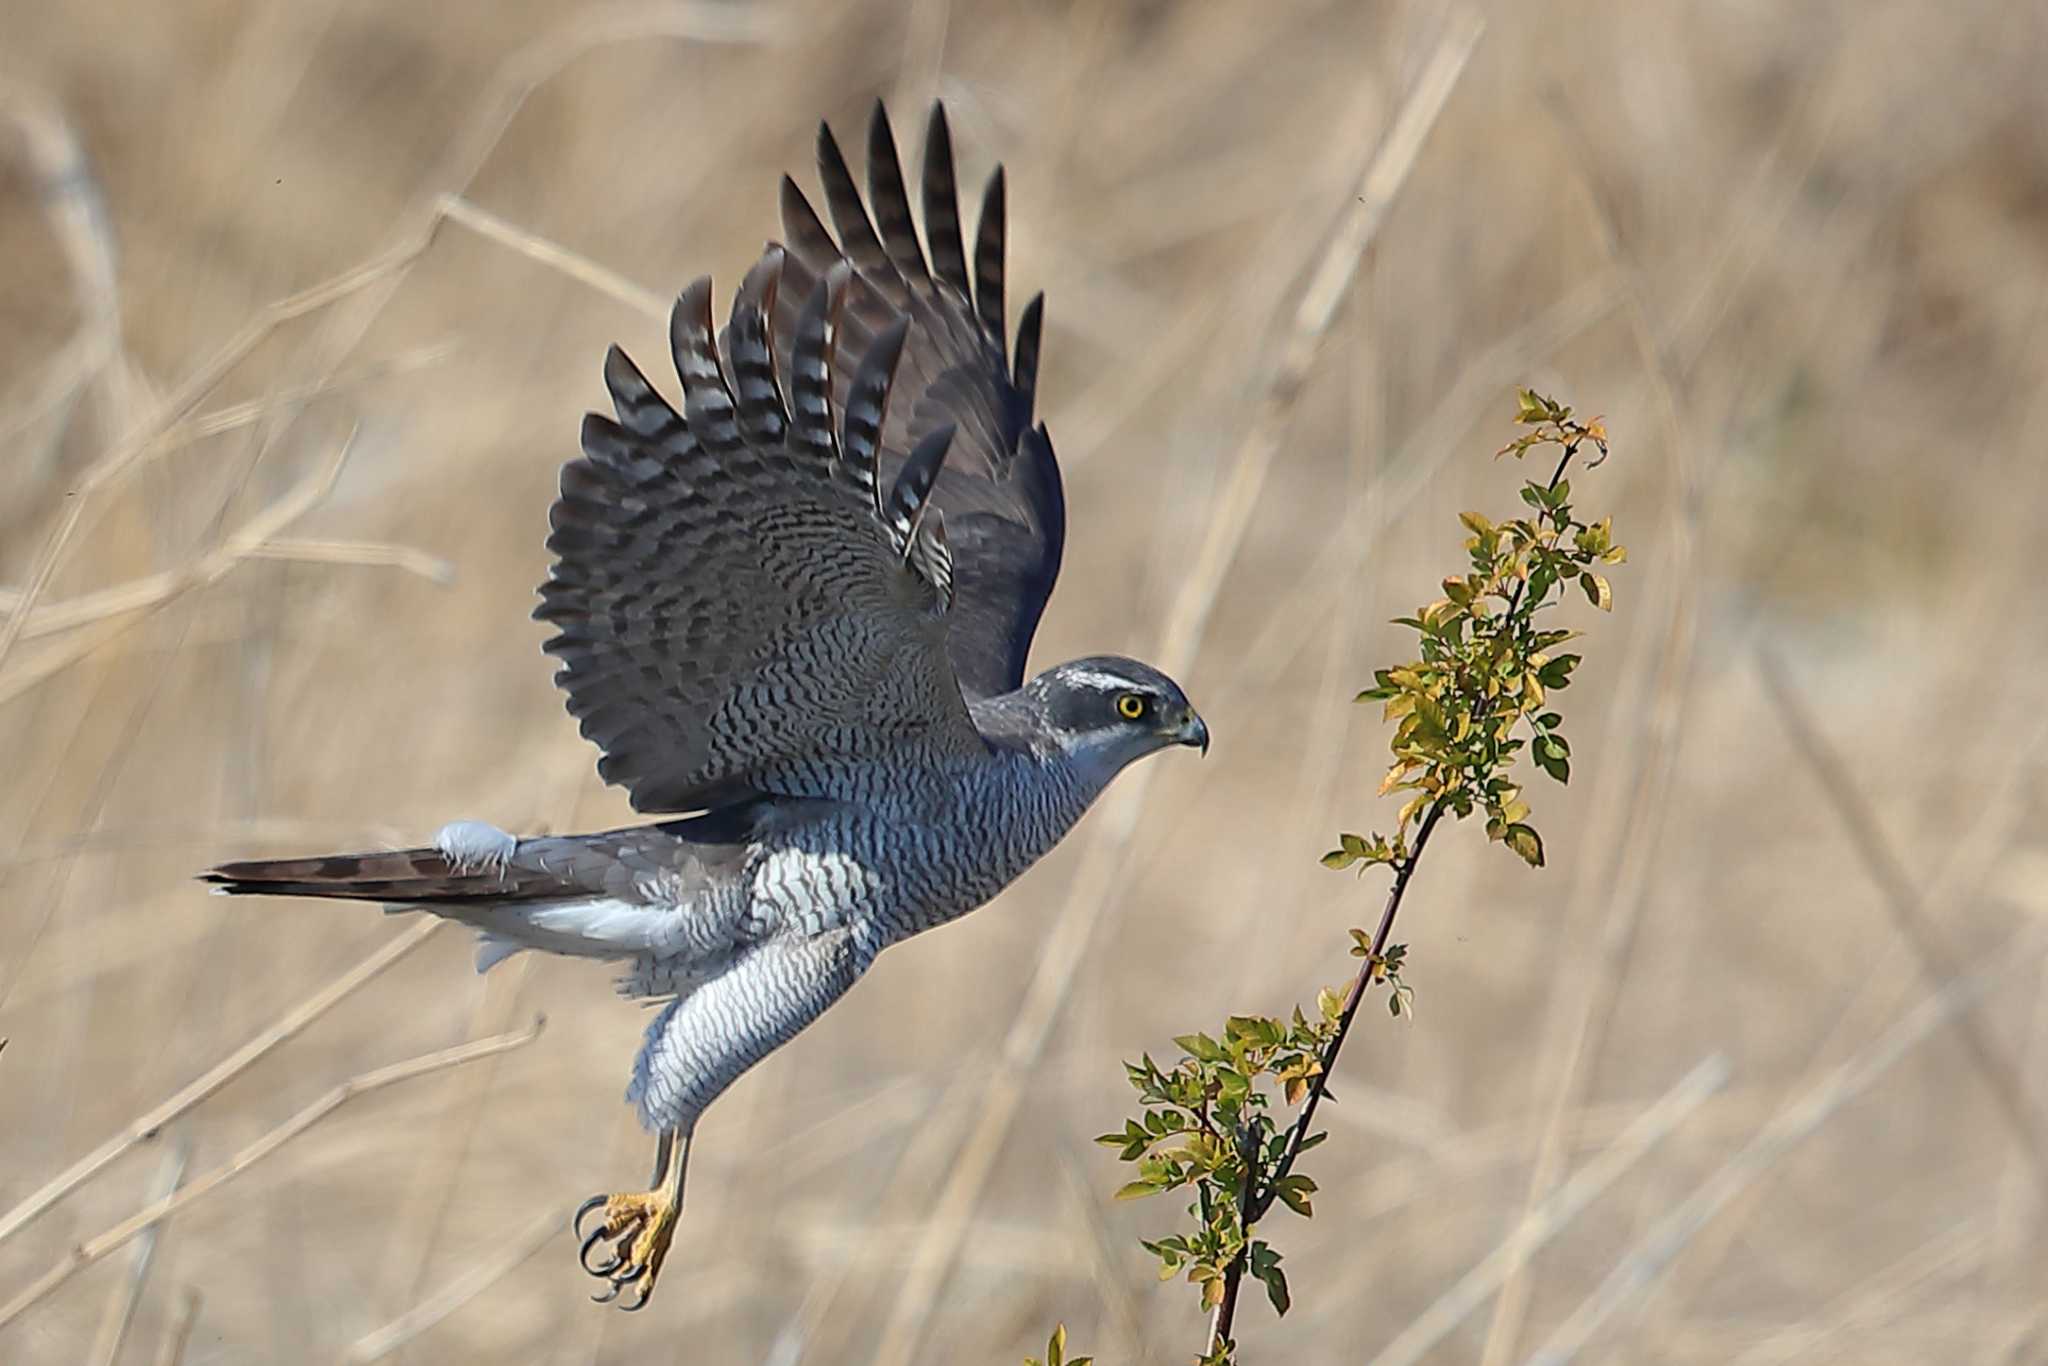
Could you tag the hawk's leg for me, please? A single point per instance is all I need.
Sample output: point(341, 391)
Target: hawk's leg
point(639, 1225)
point(697, 1047)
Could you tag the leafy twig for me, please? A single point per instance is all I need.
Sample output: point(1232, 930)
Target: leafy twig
point(1485, 669)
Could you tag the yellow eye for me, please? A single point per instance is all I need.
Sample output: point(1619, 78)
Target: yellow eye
point(1130, 706)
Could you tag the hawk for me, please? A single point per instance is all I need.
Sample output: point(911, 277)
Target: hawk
point(794, 616)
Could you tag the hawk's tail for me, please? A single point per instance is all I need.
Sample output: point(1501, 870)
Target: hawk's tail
point(399, 875)
point(467, 860)
point(614, 894)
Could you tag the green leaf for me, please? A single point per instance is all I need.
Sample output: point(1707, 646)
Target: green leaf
point(1056, 1352)
point(1556, 673)
point(1136, 1190)
point(1524, 840)
point(1258, 1028)
point(1531, 407)
point(1200, 1047)
point(1276, 1288)
point(1294, 1191)
point(1597, 591)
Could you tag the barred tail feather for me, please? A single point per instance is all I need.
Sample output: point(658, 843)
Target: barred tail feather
point(404, 875)
point(467, 860)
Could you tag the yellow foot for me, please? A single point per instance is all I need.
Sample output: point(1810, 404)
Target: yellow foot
point(639, 1228)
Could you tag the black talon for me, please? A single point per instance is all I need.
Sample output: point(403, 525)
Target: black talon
point(583, 1212)
point(607, 1297)
point(589, 1244)
point(646, 1293)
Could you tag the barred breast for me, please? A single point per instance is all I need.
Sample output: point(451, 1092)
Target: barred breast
point(910, 861)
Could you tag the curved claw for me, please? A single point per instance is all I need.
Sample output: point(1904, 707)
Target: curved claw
point(589, 1245)
point(583, 1212)
point(622, 1239)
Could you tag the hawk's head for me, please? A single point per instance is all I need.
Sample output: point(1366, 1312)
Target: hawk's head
point(1105, 711)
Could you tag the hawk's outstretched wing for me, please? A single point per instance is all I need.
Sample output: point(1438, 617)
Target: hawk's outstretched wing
point(1000, 489)
point(744, 606)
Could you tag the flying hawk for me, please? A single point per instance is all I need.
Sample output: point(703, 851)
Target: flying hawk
point(796, 614)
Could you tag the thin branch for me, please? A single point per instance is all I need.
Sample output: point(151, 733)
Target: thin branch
point(157, 589)
point(1791, 1126)
point(1258, 1202)
point(120, 1314)
point(554, 255)
point(1327, 288)
point(171, 1352)
point(143, 442)
point(1875, 1302)
point(515, 80)
point(73, 202)
point(1555, 1213)
point(85, 1254)
point(373, 554)
point(150, 1121)
point(250, 833)
point(88, 608)
point(382, 1342)
point(1902, 899)
point(1105, 1258)
point(231, 417)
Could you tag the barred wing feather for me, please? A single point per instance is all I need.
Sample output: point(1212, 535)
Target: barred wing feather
point(744, 606)
point(1000, 488)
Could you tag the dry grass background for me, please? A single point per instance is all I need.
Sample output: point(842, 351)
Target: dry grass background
point(1796, 254)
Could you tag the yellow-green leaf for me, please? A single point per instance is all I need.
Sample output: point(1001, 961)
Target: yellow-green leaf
point(1524, 840)
point(1397, 775)
point(1412, 807)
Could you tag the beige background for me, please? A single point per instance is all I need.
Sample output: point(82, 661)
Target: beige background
point(1797, 256)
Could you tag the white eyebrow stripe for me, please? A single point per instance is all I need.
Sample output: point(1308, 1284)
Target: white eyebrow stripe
point(1102, 682)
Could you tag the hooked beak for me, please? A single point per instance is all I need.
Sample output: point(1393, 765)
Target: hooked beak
point(1193, 731)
